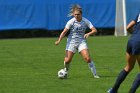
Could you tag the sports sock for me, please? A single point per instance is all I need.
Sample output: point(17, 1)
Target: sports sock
point(135, 84)
point(119, 80)
point(66, 66)
point(92, 68)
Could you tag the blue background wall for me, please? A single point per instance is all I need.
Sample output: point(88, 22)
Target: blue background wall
point(52, 14)
point(132, 9)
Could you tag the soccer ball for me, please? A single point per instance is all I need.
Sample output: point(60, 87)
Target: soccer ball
point(62, 74)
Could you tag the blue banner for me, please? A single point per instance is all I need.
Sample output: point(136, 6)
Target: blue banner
point(52, 14)
point(132, 9)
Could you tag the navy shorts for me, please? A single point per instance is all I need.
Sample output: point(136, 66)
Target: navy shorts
point(133, 47)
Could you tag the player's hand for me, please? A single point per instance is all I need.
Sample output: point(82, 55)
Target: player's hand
point(130, 30)
point(57, 42)
point(86, 35)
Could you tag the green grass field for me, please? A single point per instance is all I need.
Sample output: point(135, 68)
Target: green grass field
point(31, 65)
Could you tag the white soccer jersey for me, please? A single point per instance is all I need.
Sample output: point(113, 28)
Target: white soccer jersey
point(77, 29)
point(76, 38)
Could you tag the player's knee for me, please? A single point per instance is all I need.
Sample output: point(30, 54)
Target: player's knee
point(67, 60)
point(129, 68)
point(87, 59)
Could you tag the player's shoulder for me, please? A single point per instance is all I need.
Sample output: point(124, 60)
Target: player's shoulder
point(85, 19)
point(71, 20)
point(70, 23)
point(137, 17)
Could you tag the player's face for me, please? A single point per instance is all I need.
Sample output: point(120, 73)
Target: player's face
point(77, 15)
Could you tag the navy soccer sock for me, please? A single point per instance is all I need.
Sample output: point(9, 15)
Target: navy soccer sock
point(135, 84)
point(119, 80)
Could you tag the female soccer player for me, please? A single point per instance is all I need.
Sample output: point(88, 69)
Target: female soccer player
point(77, 38)
point(132, 55)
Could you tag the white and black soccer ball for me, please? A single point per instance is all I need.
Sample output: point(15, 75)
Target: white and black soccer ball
point(62, 74)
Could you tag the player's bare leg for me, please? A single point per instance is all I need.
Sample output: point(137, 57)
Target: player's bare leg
point(86, 56)
point(131, 59)
point(67, 60)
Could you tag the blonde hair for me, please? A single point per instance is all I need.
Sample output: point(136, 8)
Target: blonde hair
point(74, 7)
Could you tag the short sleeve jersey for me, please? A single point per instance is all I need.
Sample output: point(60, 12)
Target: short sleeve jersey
point(136, 33)
point(77, 29)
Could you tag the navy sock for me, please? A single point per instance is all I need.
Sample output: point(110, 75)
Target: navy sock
point(119, 80)
point(135, 84)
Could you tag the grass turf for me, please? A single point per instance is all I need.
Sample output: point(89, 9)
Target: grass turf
point(31, 65)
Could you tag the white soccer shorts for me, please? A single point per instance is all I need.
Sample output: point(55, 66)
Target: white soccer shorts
point(73, 46)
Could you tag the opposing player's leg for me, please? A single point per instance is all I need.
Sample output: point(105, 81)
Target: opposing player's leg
point(86, 56)
point(136, 82)
point(138, 60)
point(131, 59)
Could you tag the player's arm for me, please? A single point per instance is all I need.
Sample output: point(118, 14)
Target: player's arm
point(92, 32)
point(129, 27)
point(61, 36)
